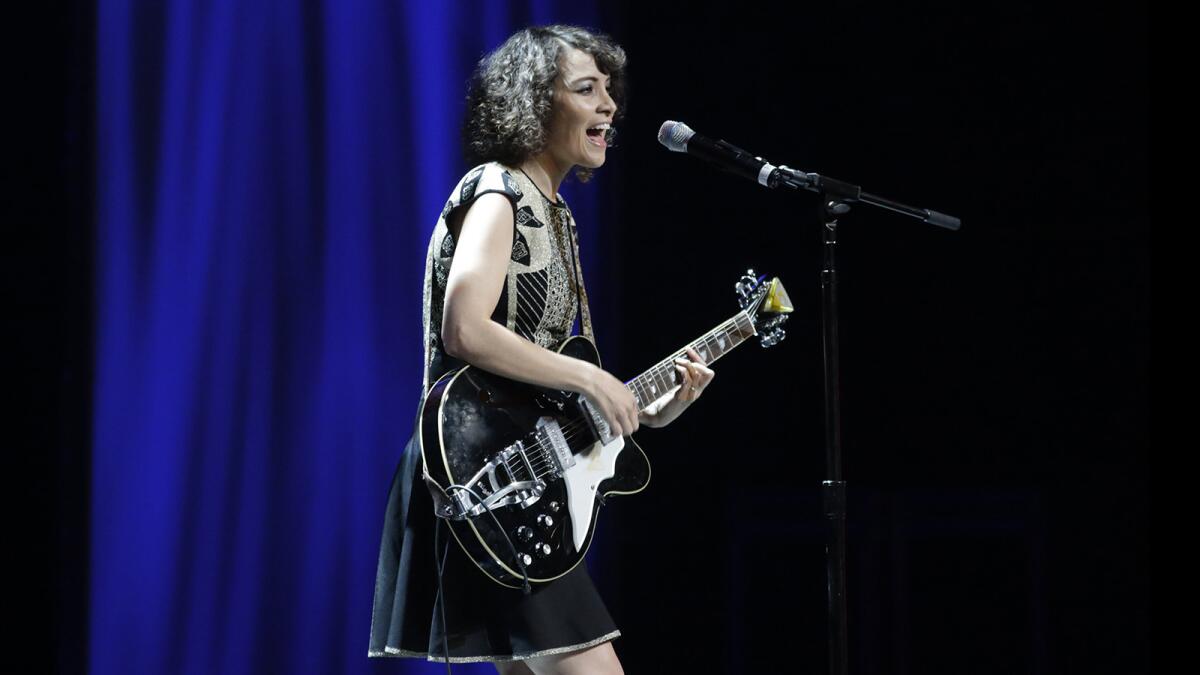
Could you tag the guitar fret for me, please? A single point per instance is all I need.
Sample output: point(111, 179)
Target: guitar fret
point(666, 382)
point(665, 377)
point(662, 376)
point(653, 385)
point(639, 393)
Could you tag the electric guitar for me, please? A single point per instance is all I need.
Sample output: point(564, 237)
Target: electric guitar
point(519, 471)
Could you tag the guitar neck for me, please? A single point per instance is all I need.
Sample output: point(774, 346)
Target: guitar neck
point(660, 378)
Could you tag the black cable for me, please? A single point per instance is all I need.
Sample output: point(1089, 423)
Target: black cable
point(500, 528)
point(437, 529)
point(441, 563)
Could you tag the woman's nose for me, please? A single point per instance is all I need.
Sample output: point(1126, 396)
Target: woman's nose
point(607, 104)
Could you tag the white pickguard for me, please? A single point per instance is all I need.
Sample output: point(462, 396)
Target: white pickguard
point(592, 466)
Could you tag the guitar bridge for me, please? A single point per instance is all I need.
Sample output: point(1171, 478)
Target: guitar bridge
point(497, 484)
point(494, 485)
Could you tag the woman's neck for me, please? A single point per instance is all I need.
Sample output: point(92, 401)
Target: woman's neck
point(545, 174)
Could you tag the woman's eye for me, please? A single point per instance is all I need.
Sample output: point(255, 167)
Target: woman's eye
point(586, 90)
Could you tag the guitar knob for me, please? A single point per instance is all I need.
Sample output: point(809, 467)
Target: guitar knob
point(554, 507)
point(524, 533)
point(545, 521)
point(526, 559)
point(542, 549)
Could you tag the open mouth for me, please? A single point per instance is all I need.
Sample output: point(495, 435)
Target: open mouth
point(601, 134)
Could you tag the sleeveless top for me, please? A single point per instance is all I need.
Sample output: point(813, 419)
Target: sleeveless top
point(485, 621)
point(544, 283)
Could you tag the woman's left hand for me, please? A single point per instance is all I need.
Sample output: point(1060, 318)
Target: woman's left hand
point(694, 375)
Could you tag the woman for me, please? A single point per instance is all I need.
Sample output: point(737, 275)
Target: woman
point(541, 105)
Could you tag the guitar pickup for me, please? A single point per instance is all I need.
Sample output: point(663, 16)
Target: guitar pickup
point(560, 451)
point(595, 420)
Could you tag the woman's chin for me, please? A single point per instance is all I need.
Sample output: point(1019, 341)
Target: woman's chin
point(593, 160)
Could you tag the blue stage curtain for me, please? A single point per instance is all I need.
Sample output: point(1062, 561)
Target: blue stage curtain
point(267, 177)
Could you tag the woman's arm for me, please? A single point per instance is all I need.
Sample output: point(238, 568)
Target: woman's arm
point(481, 255)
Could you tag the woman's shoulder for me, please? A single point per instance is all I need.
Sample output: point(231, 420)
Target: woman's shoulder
point(485, 178)
point(490, 178)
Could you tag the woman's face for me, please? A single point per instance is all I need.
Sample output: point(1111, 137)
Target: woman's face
point(582, 112)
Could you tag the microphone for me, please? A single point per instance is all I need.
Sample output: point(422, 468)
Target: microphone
point(679, 137)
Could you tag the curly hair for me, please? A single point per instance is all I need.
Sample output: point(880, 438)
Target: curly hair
point(512, 90)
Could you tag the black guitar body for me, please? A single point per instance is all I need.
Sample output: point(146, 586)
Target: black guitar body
point(471, 415)
point(542, 461)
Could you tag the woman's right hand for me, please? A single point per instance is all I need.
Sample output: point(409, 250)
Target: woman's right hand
point(616, 402)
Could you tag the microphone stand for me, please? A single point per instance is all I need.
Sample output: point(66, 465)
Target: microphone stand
point(836, 197)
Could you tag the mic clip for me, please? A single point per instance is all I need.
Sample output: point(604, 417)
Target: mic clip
point(796, 179)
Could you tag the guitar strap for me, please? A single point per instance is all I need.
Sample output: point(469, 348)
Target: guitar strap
point(581, 299)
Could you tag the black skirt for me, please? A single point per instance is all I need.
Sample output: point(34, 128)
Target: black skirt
point(484, 620)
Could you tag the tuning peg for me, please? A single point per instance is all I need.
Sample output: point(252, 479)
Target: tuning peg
point(772, 337)
point(746, 287)
point(776, 320)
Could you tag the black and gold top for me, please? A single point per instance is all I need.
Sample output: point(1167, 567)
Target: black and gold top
point(538, 300)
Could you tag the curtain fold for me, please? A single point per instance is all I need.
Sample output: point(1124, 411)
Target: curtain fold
point(267, 176)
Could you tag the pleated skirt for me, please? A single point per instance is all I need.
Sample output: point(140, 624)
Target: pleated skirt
point(484, 621)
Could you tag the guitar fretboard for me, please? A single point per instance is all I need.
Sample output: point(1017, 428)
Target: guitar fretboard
point(662, 376)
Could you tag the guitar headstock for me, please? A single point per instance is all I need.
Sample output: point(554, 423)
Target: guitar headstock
point(766, 303)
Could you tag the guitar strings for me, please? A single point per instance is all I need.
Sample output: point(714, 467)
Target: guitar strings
point(543, 465)
point(572, 430)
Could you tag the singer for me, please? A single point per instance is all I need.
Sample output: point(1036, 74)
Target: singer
point(502, 287)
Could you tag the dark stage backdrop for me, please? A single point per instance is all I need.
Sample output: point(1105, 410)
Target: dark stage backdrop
point(245, 192)
point(995, 384)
